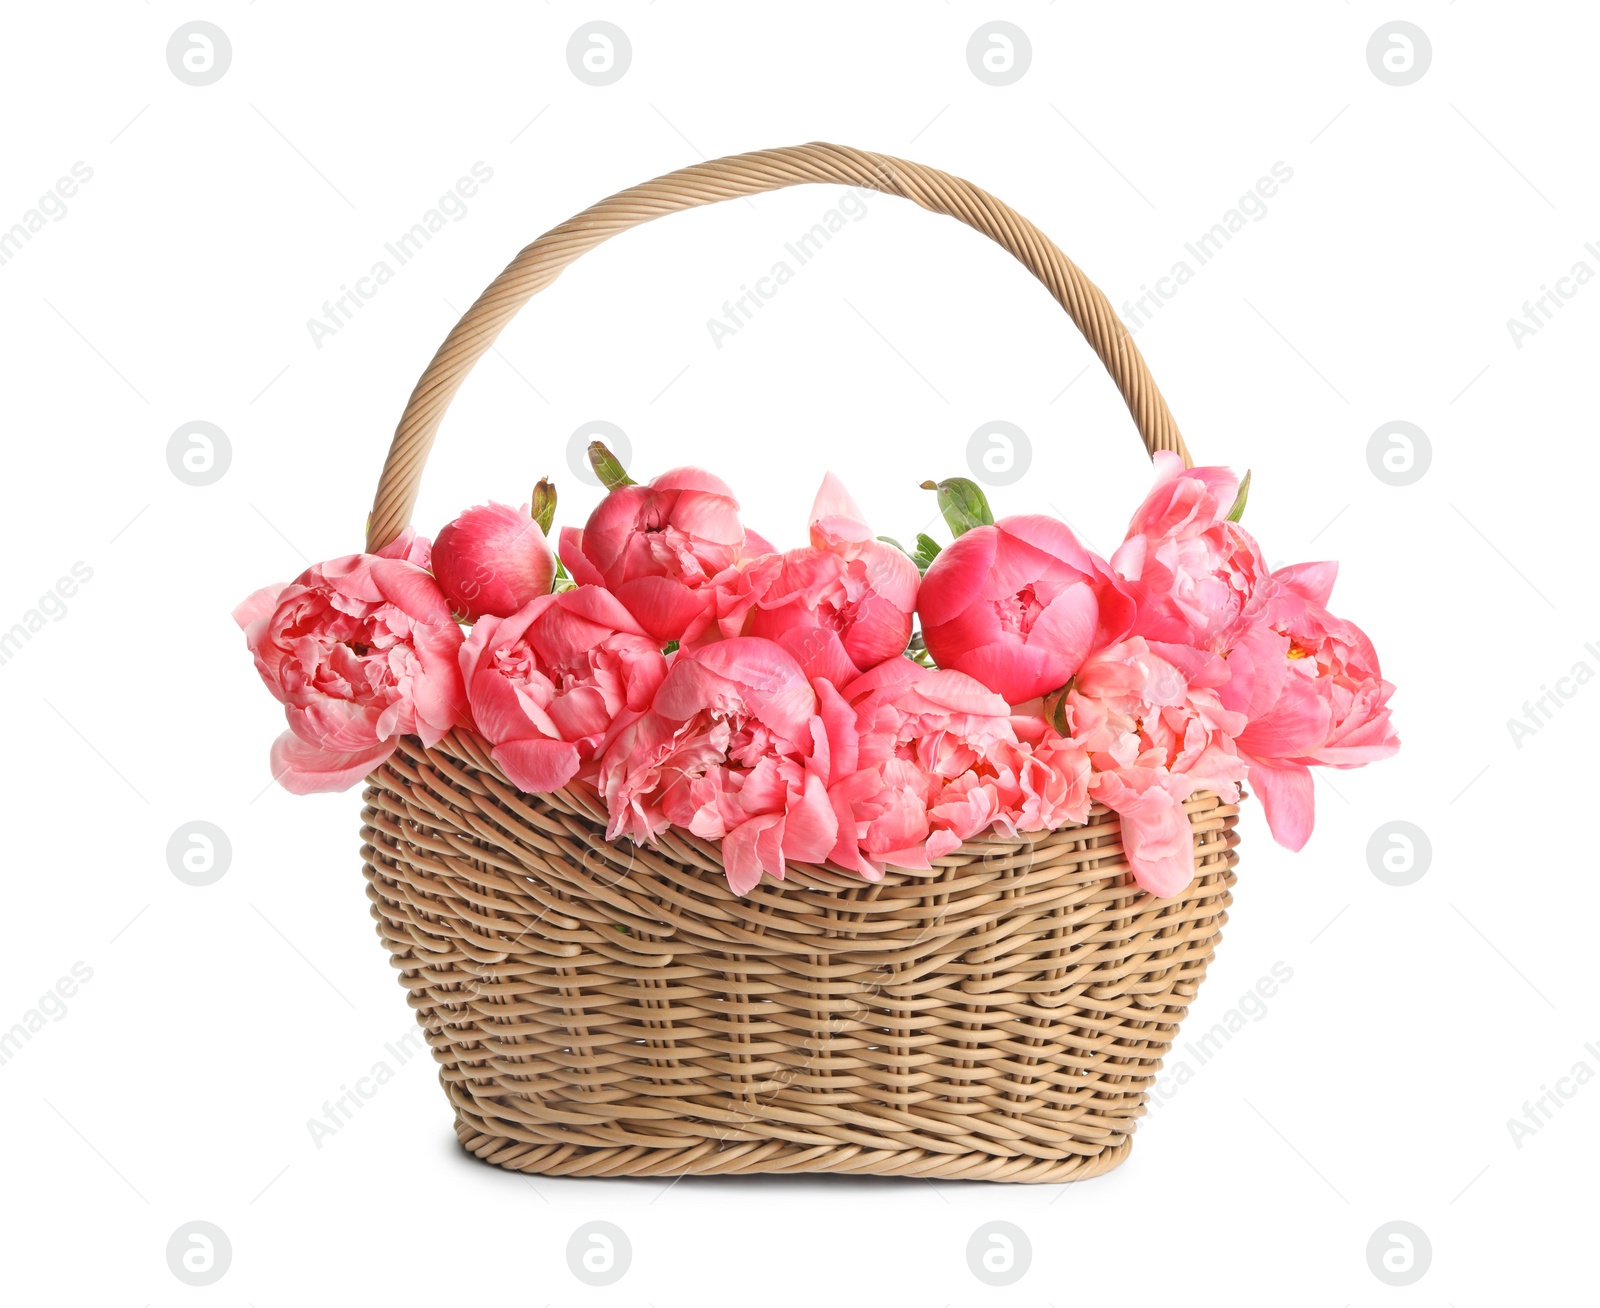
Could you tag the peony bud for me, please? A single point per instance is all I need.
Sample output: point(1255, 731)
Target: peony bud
point(543, 507)
point(608, 467)
point(492, 559)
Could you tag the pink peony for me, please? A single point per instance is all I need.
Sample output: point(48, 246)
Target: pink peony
point(1310, 685)
point(1192, 573)
point(1019, 605)
point(1155, 731)
point(841, 605)
point(360, 650)
point(938, 761)
point(657, 548)
point(551, 684)
point(733, 749)
point(1046, 780)
point(492, 560)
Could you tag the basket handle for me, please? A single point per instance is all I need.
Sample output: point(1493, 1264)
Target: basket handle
point(739, 175)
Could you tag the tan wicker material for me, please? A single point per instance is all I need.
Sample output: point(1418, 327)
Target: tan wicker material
point(739, 175)
point(610, 1010)
point(604, 1009)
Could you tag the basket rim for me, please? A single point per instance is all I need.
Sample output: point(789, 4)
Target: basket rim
point(582, 801)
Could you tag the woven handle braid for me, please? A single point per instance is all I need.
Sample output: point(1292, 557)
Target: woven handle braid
point(539, 264)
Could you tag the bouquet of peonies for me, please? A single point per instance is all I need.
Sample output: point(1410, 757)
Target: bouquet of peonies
point(785, 704)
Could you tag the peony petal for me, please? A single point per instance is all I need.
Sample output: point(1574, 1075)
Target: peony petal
point(880, 631)
point(258, 604)
point(810, 826)
point(839, 721)
point(537, 766)
point(835, 518)
point(1066, 628)
point(302, 768)
point(755, 543)
point(821, 653)
point(1015, 672)
point(1287, 798)
point(690, 478)
point(1313, 581)
point(1298, 721)
point(1051, 538)
point(740, 859)
point(957, 578)
point(665, 608)
point(1156, 836)
point(576, 561)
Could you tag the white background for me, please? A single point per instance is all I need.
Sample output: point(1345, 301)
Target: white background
point(178, 1081)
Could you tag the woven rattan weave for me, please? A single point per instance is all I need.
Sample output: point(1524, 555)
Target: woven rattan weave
point(603, 1009)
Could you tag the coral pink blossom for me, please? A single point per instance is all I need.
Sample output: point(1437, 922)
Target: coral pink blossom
point(844, 601)
point(657, 548)
point(937, 762)
point(1192, 573)
point(549, 685)
point(1156, 731)
point(733, 749)
point(1310, 686)
point(492, 560)
point(1045, 781)
point(1019, 605)
point(360, 651)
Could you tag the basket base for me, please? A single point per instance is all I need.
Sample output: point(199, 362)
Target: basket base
point(708, 1158)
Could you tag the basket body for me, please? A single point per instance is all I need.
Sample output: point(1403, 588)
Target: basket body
point(610, 1010)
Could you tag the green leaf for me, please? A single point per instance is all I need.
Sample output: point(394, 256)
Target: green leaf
point(544, 504)
point(563, 581)
point(890, 540)
point(1237, 511)
point(927, 547)
point(962, 503)
point(671, 647)
point(608, 467)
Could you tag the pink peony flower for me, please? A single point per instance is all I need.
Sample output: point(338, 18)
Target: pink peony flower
point(1310, 686)
point(492, 560)
point(360, 650)
point(1019, 605)
point(841, 605)
point(1192, 573)
point(1155, 731)
point(937, 762)
point(551, 684)
point(1046, 780)
point(732, 749)
point(657, 548)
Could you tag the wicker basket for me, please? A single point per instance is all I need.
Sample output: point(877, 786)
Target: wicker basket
point(604, 1009)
